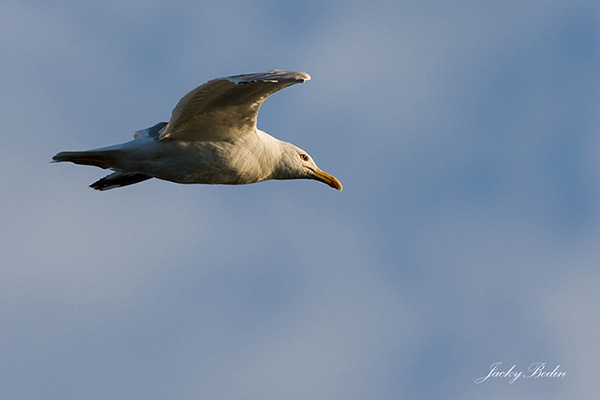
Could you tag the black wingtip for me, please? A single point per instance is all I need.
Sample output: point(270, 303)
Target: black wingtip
point(117, 180)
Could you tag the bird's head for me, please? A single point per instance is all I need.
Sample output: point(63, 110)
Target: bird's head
point(296, 163)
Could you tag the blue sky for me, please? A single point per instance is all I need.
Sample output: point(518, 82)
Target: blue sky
point(466, 137)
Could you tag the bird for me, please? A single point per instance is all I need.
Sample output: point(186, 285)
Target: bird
point(211, 138)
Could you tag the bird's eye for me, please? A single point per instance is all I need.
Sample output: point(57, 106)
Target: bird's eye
point(304, 157)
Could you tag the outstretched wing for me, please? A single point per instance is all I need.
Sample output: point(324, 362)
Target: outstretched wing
point(226, 107)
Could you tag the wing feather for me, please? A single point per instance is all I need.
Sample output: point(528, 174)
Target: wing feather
point(226, 107)
point(153, 131)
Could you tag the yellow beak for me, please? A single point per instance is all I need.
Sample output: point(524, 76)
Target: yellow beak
point(328, 179)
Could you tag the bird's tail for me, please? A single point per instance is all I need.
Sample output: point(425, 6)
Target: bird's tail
point(101, 158)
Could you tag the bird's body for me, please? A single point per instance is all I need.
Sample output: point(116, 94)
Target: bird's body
point(211, 138)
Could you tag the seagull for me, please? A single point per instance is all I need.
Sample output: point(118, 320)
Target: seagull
point(211, 138)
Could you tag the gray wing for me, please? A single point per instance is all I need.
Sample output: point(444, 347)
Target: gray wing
point(153, 131)
point(226, 107)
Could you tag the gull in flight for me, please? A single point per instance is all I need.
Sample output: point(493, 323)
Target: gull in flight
point(211, 138)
